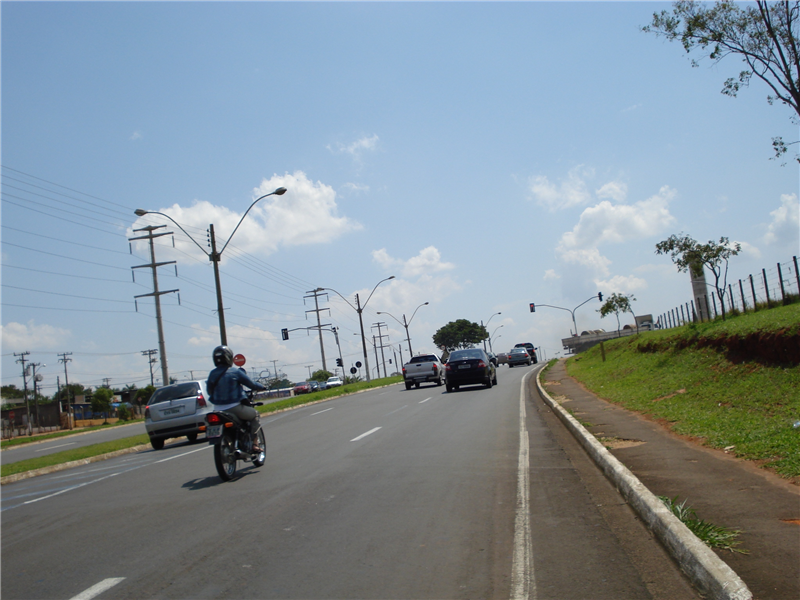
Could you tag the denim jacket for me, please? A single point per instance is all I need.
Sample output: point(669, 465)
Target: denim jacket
point(225, 385)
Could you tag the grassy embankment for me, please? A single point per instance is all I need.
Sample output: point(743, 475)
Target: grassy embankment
point(58, 458)
point(732, 385)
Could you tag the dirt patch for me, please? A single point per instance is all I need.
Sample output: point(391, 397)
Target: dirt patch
point(615, 443)
point(672, 395)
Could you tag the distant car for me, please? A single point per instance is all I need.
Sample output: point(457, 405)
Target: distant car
point(469, 366)
point(334, 382)
point(519, 356)
point(314, 386)
point(531, 350)
point(176, 410)
point(502, 358)
point(304, 387)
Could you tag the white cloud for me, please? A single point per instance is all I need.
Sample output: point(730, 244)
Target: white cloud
point(550, 274)
point(356, 187)
point(306, 214)
point(31, 335)
point(749, 251)
point(356, 148)
point(784, 230)
point(615, 190)
point(610, 223)
point(137, 135)
point(427, 262)
point(566, 194)
point(621, 284)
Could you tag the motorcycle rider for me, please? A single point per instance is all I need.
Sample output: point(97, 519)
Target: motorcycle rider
point(225, 387)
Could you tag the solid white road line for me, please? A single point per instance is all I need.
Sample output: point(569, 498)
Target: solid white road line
point(320, 412)
point(523, 583)
point(52, 447)
point(98, 589)
point(426, 399)
point(363, 435)
point(206, 447)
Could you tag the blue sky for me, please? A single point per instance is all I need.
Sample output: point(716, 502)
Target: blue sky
point(487, 155)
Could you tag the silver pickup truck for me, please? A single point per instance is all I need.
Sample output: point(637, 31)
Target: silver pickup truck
point(423, 368)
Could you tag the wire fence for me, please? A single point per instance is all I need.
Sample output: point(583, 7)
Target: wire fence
point(771, 287)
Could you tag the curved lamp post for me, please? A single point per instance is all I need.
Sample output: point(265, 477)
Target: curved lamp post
point(214, 256)
point(405, 323)
point(490, 339)
point(359, 309)
point(487, 322)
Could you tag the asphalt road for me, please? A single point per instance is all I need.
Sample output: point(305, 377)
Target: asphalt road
point(384, 494)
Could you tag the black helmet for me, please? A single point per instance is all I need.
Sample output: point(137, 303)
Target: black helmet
point(223, 357)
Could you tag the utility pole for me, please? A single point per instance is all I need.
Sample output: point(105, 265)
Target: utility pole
point(275, 366)
point(316, 293)
point(155, 293)
point(380, 339)
point(149, 354)
point(65, 360)
point(36, 379)
point(22, 360)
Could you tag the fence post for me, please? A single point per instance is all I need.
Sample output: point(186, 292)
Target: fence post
point(796, 273)
point(753, 289)
point(714, 303)
point(766, 286)
point(780, 278)
point(741, 291)
point(694, 313)
point(730, 293)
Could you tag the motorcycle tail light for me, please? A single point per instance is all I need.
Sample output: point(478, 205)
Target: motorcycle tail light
point(213, 419)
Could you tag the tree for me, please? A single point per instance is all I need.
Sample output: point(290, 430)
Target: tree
point(688, 254)
point(279, 384)
point(616, 304)
point(11, 391)
point(142, 395)
point(101, 401)
point(321, 375)
point(764, 36)
point(459, 334)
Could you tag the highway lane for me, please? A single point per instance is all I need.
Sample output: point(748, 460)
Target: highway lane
point(384, 494)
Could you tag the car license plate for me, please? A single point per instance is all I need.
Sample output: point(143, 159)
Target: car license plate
point(464, 366)
point(172, 411)
point(214, 431)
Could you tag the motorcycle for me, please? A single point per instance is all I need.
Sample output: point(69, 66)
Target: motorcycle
point(232, 441)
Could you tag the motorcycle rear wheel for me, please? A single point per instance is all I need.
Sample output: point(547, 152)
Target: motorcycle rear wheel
point(259, 460)
point(225, 458)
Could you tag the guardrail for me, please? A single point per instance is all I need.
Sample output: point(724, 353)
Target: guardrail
point(772, 287)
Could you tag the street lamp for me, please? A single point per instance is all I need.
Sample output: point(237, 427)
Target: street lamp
point(214, 256)
point(358, 308)
point(482, 325)
point(490, 339)
point(599, 296)
point(405, 323)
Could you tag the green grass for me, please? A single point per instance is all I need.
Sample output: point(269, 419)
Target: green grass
point(19, 441)
point(711, 535)
point(58, 458)
point(748, 408)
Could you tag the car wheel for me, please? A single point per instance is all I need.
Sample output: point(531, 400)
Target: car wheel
point(192, 437)
point(157, 443)
point(510, 366)
point(408, 385)
point(416, 385)
point(439, 381)
point(494, 381)
point(488, 383)
point(449, 388)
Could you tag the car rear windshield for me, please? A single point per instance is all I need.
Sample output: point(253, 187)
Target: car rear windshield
point(465, 354)
point(174, 392)
point(419, 359)
point(519, 351)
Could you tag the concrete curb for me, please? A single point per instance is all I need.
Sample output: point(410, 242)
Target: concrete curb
point(709, 573)
point(71, 464)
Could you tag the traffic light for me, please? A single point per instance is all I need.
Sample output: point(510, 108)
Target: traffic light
point(339, 362)
point(285, 334)
point(600, 296)
point(533, 307)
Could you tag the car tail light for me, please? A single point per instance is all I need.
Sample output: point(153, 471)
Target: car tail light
point(201, 402)
point(435, 369)
point(481, 364)
point(404, 371)
point(447, 367)
point(147, 412)
point(213, 419)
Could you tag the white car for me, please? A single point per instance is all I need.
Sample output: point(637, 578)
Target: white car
point(334, 382)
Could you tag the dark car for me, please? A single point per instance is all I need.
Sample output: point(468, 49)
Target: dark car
point(531, 350)
point(519, 356)
point(469, 366)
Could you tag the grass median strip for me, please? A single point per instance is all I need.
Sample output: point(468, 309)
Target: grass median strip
point(75, 454)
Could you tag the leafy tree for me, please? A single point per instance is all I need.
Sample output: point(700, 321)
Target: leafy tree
point(101, 401)
point(459, 334)
point(69, 392)
point(764, 36)
point(617, 304)
point(11, 391)
point(279, 384)
point(688, 253)
point(320, 375)
point(143, 395)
